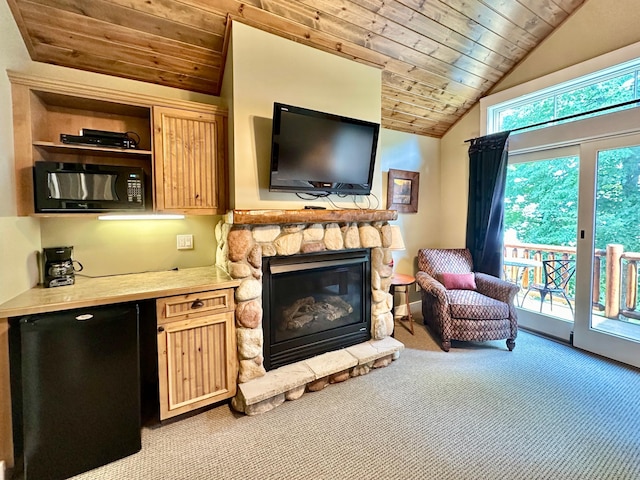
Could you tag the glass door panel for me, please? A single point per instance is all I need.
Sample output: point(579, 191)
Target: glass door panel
point(609, 324)
point(541, 215)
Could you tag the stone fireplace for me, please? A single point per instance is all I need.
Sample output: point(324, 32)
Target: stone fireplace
point(249, 239)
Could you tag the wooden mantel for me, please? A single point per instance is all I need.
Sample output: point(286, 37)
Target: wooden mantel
point(275, 217)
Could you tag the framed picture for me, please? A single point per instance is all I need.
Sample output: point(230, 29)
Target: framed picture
point(402, 191)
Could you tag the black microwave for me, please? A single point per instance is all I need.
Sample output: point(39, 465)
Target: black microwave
point(84, 187)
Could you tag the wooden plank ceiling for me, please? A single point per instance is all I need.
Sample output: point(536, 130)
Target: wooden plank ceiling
point(438, 57)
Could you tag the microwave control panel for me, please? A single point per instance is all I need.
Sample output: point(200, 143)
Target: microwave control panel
point(134, 188)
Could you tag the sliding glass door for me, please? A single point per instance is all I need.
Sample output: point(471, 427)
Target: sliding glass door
point(608, 251)
point(541, 221)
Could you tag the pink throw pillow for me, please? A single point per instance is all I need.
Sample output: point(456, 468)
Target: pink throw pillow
point(459, 281)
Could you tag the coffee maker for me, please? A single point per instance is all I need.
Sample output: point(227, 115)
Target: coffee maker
point(58, 267)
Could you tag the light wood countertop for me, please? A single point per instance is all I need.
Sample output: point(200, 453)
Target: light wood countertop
point(89, 292)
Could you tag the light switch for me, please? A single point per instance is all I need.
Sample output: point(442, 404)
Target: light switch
point(185, 242)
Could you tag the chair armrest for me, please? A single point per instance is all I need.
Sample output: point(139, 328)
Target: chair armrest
point(431, 286)
point(496, 288)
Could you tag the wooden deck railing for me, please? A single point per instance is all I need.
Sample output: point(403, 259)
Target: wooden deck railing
point(620, 270)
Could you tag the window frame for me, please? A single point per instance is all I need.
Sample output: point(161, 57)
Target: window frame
point(558, 81)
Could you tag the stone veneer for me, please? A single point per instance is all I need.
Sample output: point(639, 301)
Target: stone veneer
point(255, 234)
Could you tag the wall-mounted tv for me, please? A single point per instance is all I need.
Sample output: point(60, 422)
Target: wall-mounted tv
point(321, 153)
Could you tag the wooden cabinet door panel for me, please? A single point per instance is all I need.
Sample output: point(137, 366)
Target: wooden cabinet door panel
point(189, 161)
point(197, 363)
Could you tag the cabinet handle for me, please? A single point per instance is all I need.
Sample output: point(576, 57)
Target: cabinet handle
point(197, 303)
point(160, 329)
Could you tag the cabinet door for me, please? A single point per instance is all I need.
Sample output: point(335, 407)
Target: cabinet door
point(189, 161)
point(196, 363)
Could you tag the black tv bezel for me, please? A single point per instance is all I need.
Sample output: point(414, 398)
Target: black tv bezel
point(321, 187)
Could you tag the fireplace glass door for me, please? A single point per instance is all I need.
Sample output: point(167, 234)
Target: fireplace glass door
point(315, 303)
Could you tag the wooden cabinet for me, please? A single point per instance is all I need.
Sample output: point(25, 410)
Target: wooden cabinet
point(190, 161)
point(185, 151)
point(44, 110)
point(197, 363)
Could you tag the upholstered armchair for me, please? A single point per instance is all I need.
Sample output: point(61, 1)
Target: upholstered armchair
point(458, 304)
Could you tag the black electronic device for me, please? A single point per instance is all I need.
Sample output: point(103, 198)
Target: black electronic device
point(90, 132)
point(99, 141)
point(75, 390)
point(318, 152)
point(59, 267)
point(85, 187)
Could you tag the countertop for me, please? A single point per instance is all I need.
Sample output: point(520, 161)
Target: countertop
point(87, 292)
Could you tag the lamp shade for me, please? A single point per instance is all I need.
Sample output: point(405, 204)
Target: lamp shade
point(397, 243)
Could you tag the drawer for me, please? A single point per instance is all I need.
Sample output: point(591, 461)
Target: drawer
point(194, 305)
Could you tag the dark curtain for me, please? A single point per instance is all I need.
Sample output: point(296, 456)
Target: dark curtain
point(487, 178)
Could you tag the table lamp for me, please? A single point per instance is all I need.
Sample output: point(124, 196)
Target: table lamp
point(397, 243)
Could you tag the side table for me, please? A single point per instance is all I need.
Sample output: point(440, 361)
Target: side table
point(402, 280)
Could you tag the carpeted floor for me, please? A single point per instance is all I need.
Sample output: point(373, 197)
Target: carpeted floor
point(543, 411)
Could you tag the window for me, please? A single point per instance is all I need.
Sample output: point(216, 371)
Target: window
point(606, 87)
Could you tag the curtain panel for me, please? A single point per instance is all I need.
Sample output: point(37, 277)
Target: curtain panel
point(488, 157)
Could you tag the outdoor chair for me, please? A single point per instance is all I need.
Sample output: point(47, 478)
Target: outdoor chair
point(458, 304)
point(557, 274)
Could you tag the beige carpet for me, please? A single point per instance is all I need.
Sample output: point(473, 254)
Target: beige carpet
point(543, 411)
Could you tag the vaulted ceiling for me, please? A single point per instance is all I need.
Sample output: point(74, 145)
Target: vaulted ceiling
point(438, 57)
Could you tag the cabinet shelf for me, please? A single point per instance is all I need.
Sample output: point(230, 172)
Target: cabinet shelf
point(96, 151)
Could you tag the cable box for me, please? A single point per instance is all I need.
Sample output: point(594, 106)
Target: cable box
point(98, 141)
point(89, 132)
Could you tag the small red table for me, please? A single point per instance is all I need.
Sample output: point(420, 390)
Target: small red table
point(402, 280)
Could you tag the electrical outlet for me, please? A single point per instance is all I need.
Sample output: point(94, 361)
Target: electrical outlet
point(185, 242)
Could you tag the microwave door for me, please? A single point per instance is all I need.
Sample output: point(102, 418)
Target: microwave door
point(65, 186)
point(75, 187)
point(82, 186)
point(105, 187)
point(53, 186)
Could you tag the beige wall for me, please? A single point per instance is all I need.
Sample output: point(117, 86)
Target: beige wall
point(20, 237)
point(268, 69)
point(124, 246)
point(598, 27)
point(404, 151)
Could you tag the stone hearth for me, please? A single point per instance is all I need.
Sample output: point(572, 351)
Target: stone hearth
point(245, 237)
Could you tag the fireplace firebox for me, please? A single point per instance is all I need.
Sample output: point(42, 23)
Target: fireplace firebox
point(315, 303)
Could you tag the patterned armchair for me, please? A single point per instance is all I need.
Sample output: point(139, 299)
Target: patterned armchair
point(484, 313)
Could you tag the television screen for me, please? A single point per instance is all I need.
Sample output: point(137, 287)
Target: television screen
point(317, 152)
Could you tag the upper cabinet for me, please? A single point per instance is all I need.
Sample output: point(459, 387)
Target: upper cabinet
point(189, 161)
point(181, 145)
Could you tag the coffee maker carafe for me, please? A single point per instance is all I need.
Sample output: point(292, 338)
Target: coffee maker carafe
point(58, 266)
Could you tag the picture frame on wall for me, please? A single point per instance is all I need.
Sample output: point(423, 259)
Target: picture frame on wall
point(402, 191)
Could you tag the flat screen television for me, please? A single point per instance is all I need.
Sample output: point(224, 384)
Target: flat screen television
point(321, 153)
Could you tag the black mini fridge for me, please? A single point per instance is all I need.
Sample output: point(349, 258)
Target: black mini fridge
point(76, 390)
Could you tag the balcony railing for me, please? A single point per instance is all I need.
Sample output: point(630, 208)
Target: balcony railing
point(614, 271)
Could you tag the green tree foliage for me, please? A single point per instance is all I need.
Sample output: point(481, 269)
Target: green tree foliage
point(541, 200)
point(618, 198)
